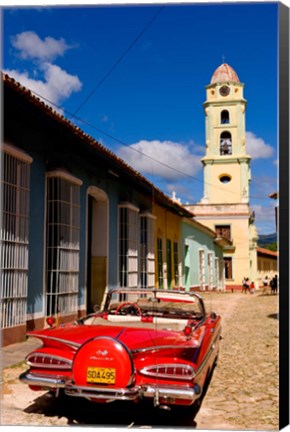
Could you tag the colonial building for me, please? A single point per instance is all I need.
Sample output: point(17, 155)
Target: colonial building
point(225, 205)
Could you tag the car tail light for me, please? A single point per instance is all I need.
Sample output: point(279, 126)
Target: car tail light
point(50, 321)
point(40, 360)
point(187, 330)
point(169, 371)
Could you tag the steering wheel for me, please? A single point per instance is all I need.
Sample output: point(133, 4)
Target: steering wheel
point(132, 308)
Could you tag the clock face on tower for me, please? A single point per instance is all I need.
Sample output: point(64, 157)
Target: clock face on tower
point(224, 90)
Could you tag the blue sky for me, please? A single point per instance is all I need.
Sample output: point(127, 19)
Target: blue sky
point(138, 74)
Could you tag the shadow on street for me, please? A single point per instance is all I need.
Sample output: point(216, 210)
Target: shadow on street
point(80, 411)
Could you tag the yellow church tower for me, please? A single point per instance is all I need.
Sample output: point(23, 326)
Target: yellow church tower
point(227, 175)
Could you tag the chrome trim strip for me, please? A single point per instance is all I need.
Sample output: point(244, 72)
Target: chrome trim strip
point(43, 380)
point(189, 394)
point(64, 341)
point(161, 347)
point(103, 393)
point(173, 392)
point(208, 354)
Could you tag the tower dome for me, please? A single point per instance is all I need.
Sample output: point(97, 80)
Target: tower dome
point(224, 73)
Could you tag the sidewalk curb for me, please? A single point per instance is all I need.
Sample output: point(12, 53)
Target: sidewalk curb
point(13, 354)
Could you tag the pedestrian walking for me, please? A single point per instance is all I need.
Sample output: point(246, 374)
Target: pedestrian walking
point(252, 287)
point(274, 285)
point(265, 284)
point(246, 285)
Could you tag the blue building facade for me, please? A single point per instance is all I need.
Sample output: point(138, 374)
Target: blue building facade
point(202, 258)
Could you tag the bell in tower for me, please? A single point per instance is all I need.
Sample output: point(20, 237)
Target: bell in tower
point(226, 143)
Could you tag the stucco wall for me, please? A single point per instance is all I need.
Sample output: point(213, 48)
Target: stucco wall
point(167, 227)
point(241, 242)
point(194, 240)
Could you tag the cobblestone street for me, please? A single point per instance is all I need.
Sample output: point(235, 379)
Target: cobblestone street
point(243, 393)
point(244, 390)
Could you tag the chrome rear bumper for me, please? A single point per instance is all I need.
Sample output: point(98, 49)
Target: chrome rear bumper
point(167, 393)
point(43, 380)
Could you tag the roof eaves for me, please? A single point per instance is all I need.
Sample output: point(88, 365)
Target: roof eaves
point(267, 252)
point(77, 131)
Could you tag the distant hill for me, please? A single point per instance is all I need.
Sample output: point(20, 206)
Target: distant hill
point(265, 239)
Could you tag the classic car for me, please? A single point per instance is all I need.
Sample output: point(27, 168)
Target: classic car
point(142, 344)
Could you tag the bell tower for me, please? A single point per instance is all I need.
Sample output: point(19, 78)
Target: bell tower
point(226, 164)
point(224, 207)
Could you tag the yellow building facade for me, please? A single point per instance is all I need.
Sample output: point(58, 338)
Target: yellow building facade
point(225, 205)
point(168, 272)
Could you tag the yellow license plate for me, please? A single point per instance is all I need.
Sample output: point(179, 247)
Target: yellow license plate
point(98, 375)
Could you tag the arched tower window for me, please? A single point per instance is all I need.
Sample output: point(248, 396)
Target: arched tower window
point(226, 143)
point(225, 117)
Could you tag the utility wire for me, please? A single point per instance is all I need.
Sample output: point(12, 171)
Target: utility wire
point(102, 80)
point(118, 61)
point(118, 140)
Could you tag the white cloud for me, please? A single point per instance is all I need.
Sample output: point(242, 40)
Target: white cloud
point(30, 46)
point(56, 86)
point(257, 148)
point(165, 159)
point(61, 83)
point(47, 80)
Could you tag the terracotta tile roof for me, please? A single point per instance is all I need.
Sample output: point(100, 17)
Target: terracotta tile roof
point(263, 251)
point(47, 110)
point(224, 73)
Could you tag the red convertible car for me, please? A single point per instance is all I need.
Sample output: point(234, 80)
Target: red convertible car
point(143, 344)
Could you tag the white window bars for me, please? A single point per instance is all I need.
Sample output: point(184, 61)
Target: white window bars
point(211, 278)
point(136, 248)
point(202, 269)
point(62, 243)
point(128, 245)
point(147, 256)
point(15, 182)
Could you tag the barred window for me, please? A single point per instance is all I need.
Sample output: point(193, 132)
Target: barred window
point(202, 269)
point(160, 263)
point(147, 258)
point(169, 263)
point(216, 272)
point(228, 266)
point(128, 245)
point(223, 231)
point(15, 182)
point(175, 260)
point(62, 243)
point(210, 264)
